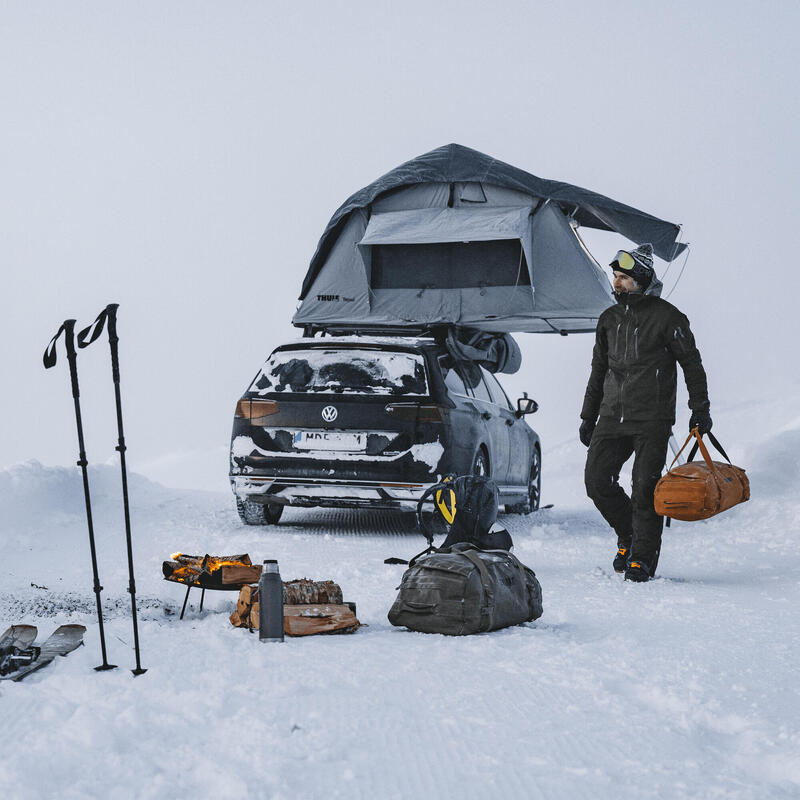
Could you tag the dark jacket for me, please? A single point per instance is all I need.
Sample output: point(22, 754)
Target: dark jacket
point(638, 342)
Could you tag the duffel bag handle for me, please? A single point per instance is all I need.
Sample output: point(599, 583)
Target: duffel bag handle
point(695, 434)
point(699, 443)
point(683, 447)
point(713, 440)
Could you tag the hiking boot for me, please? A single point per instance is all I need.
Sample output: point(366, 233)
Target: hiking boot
point(621, 560)
point(637, 571)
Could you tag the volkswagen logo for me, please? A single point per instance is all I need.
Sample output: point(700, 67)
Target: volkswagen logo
point(329, 413)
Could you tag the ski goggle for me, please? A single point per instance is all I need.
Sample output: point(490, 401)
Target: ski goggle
point(623, 260)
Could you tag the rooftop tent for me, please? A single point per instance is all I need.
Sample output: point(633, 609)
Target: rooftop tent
point(456, 237)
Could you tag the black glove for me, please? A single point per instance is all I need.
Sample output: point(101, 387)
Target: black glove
point(586, 431)
point(700, 420)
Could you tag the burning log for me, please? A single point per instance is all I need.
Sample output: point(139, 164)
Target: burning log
point(211, 571)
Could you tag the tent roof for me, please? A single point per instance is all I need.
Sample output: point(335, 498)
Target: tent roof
point(456, 163)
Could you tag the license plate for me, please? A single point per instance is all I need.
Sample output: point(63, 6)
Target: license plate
point(330, 440)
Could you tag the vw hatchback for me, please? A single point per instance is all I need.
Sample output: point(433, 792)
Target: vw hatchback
point(373, 422)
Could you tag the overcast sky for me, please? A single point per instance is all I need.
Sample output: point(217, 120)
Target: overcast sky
point(182, 159)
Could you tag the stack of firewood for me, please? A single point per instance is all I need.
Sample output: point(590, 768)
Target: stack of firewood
point(309, 607)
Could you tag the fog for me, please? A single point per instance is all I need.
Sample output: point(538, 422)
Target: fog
point(182, 160)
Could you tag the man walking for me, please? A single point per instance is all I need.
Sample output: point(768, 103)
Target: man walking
point(632, 389)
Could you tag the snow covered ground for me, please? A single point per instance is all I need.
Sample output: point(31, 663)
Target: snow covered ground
point(683, 687)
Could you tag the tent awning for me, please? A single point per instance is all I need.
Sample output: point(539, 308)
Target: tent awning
point(432, 225)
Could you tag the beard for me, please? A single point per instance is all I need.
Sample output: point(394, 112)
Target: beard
point(636, 289)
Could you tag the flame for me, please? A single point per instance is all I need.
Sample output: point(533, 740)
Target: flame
point(175, 555)
point(190, 573)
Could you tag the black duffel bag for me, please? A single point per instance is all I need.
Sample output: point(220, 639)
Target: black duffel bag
point(460, 590)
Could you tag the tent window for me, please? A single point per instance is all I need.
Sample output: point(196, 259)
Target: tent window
point(449, 265)
point(472, 193)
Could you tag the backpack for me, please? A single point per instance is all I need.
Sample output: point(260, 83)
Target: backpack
point(469, 504)
point(461, 589)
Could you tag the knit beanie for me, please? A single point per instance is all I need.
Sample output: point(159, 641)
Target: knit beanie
point(642, 270)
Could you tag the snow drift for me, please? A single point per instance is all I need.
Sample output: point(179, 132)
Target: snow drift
point(684, 687)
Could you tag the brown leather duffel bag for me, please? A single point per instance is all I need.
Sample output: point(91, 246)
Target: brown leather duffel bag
point(700, 489)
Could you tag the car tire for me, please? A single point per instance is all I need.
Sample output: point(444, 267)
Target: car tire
point(534, 488)
point(258, 513)
point(480, 464)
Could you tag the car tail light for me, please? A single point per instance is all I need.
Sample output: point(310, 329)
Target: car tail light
point(255, 410)
point(414, 412)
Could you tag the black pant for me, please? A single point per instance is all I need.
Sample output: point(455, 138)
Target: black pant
point(634, 519)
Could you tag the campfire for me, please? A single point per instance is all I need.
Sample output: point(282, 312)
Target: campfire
point(211, 572)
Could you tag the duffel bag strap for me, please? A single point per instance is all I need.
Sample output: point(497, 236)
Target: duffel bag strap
point(714, 441)
point(472, 555)
point(703, 450)
point(677, 455)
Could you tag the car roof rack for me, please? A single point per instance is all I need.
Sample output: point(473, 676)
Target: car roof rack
point(437, 332)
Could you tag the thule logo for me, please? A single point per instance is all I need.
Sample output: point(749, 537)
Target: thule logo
point(326, 298)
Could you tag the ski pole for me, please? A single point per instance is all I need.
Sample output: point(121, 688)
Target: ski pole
point(49, 359)
point(109, 316)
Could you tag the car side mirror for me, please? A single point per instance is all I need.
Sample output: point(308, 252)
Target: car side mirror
point(525, 405)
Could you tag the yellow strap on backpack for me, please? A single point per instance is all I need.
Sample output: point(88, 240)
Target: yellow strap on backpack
point(446, 503)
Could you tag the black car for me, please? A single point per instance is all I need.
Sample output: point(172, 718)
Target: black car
point(373, 422)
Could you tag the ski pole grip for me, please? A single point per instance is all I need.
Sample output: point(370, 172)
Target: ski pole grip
point(72, 354)
point(108, 318)
point(111, 324)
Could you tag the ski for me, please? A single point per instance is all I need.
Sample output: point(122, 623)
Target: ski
point(14, 640)
point(33, 657)
point(17, 636)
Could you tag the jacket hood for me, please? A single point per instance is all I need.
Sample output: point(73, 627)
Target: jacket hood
point(655, 287)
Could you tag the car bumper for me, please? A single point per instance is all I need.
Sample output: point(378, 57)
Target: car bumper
point(328, 492)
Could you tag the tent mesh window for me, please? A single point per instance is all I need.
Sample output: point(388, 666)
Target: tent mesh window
point(449, 265)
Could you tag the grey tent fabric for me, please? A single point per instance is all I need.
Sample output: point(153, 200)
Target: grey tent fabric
point(455, 164)
point(495, 352)
point(427, 225)
point(535, 276)
point(456, 238)
point(568, 281)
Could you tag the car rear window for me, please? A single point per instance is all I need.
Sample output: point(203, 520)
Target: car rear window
point(340, 370)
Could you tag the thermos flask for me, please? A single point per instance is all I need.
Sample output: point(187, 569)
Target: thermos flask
point(270, 603)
